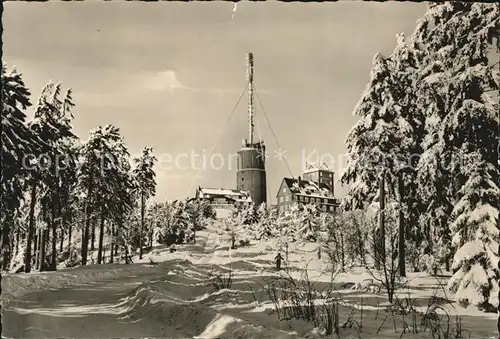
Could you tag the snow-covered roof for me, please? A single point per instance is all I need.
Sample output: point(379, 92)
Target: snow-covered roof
point(308, 188)
point(314, 168)
point(246, 199)
point(240, 196)
point(223, 191)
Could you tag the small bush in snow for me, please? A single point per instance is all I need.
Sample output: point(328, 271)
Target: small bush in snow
point(297, 299)
point(429, 264)
point(245, 242)
point(222, 281)
point(74, 258)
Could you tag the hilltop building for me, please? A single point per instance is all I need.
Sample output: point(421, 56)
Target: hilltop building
point(224, 201)
point(321, 175)
point(251, 185)
point(251, 174)
point(315, 188)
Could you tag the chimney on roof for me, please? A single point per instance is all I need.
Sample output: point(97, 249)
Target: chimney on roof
point(299, 181)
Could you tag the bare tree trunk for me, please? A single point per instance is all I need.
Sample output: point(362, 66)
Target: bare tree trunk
point(70, 232)
point(401, 243)
point(38, 248)
point(342, 252)
point(18, 238)
point(43, 247)
point(62, 225)
point(31, 229)
point(6, 244)
point(38, 242)
point(53, 260)
point(112, 253)
point(85, 233)
point(61, 241)
point(92, 241)
point(35, 246)
point(101, 238)
point(380, 241)
point(448, 258)
point(116, 243)
point(126, 254)
point(142, 224)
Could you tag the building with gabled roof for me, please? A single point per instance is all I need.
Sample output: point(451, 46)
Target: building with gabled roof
point(320, 175)
point(224, 201)
point(299, 192)
point(251, 182)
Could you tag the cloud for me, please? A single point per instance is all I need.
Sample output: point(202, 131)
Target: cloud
point(167, 80)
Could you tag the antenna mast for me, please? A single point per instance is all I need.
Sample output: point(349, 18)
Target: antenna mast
point(250, 96)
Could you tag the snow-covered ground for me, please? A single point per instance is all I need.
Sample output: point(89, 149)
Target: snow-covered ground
point(171, 294)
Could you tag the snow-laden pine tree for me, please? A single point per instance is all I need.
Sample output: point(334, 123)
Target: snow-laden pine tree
point(105, 179)
point(389, 128)
point(266, 226)
point(362, 140)
point(406, 61)
point(242, 223)
point(386, 141)
point(198, 215)
point(164, 218)
point(52, 123)
point(456, 70)
point(457, 83)
point(144, 176)
point(155, 216)
point(288, 223)
point(17, 141)
point(309, 224)
point(477, 236)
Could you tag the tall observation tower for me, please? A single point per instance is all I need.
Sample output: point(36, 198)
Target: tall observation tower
point(251, 174)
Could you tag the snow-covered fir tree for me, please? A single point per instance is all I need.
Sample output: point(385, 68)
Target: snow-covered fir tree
point(362, 139)
point(144, 176)
point(266, 225)
point(17, 141)
point(182, 222)
point(456, 87)
point(106, 179)
point(288, 224)
point(476, 235)
point(308, 228)
point(456, 73)
point(52, 124)
point(384, 137)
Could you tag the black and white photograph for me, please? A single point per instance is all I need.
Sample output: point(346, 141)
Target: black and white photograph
point(250, 169)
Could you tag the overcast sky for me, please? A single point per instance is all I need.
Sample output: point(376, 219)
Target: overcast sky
point(169, 74)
